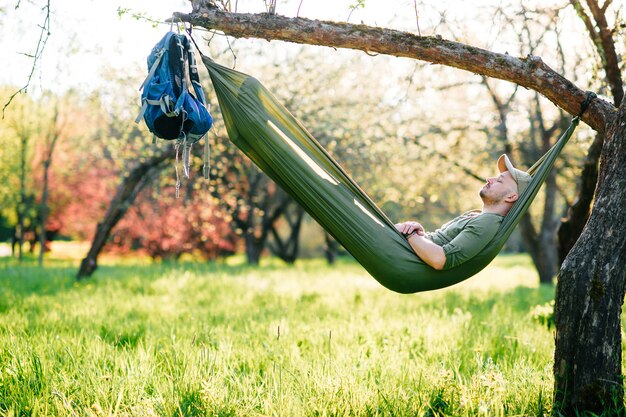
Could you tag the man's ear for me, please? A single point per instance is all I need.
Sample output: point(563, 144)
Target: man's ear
point(511, 198)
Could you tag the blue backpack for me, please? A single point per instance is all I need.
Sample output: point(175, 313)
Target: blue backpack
point(171, 111)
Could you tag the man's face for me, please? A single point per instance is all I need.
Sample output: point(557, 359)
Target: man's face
point(499, 189)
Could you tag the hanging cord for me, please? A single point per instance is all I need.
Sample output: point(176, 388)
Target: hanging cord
point(182, 142)
point(585, 104)
point(188, 30)
point(187, 157)
point(174, 20)
point(206, 168)
point(176, 146)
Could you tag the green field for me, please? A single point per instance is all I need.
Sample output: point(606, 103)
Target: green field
point(307, 340)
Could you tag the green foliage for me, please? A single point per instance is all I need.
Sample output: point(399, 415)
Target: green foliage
point(358, 4)
point(230, 340)
point(127, 11)
point(18, 131)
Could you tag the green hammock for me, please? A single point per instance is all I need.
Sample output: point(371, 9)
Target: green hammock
point(281, 147)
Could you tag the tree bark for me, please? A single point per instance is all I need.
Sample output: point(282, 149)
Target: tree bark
point(126, 193)
point(590, 294)
point(530, 72)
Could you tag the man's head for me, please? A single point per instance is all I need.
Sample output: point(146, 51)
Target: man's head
point(506, 188)
point(521, 178)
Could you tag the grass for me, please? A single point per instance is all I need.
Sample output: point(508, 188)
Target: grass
point(306, 340)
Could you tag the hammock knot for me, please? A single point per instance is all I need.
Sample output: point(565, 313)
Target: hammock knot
point(585, 104)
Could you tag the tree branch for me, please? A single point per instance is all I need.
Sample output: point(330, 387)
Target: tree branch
point(530, 72)
point(44, 34)
point(606, 5)
point(607, 52)
point(445, 157)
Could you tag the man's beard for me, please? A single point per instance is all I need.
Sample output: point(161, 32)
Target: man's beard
point(483, 194)
point(488, 199)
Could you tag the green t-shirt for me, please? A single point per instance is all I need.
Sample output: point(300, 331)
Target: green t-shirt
point(465, 236)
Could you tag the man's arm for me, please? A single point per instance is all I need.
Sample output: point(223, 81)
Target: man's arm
point(428, 251)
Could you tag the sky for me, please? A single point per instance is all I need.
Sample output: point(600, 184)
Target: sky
point(89, 37)
point(86, 36)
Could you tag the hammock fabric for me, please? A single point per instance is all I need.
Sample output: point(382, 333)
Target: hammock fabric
point(281, 147)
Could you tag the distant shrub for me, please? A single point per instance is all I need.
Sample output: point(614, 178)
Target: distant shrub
point(544, 314)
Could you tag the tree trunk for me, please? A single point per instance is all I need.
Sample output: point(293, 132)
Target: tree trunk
point(14, 239)
point(254, 247)
point(570, 229)
point(287, 249)
point(256, 211)
point(331, 247)
point(21, 207)
point(271, 212)
point(542, 249)
point(52, 140)
point(43, 214)
point(590, 294)
point(126, 193)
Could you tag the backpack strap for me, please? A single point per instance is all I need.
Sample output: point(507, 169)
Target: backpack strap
point(194, 77)
point(199, 93)
point(170, 108)
point(154, 67)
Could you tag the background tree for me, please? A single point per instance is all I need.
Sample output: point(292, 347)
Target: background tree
point(125, 157)
point(606, 64)
point(165, 227)
point(286, 245)
point(20, 133)
point(51, 138)
point(252, 199)
point(131, 185)
point(531, 32)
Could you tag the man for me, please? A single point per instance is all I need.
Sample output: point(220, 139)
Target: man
point(464, 237)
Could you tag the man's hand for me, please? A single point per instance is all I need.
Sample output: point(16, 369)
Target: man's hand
point(407, 228)
point(429, 252)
